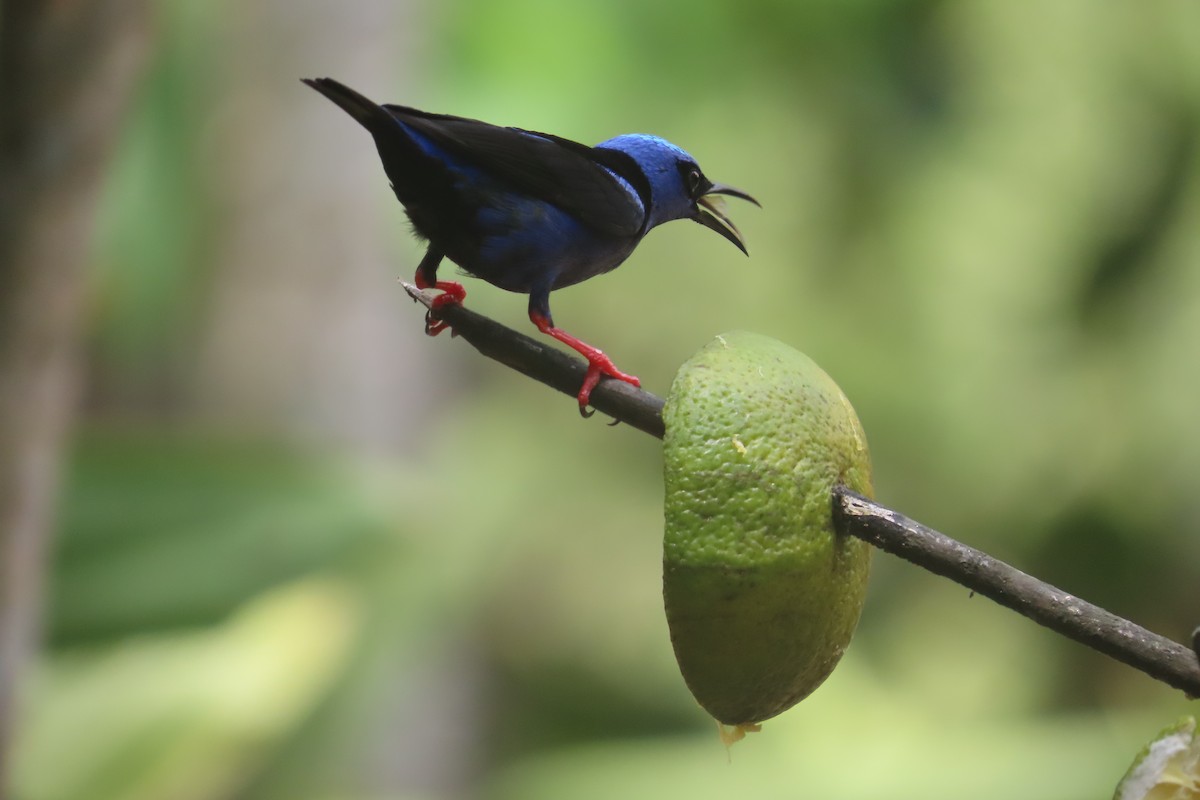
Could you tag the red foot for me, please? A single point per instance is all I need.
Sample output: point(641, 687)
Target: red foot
point(452, 294)
point(598, 363)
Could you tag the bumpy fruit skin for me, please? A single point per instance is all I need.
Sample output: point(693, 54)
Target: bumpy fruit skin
point(762, 595)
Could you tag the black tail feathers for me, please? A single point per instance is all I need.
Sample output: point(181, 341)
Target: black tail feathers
point(369, 114)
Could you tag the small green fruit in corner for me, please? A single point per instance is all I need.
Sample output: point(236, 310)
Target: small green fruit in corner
point(1167, 769)
point(762, 594)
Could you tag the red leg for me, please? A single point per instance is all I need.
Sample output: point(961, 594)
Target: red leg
point(598, 363)
point(452, 293)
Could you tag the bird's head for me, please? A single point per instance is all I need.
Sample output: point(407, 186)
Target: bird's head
point(677, 186)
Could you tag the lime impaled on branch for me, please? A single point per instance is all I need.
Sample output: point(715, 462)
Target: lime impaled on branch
point(762, 594)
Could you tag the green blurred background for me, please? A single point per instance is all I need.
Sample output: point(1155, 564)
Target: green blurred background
point(305, 552)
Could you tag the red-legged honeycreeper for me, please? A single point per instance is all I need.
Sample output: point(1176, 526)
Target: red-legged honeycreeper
point(531, 212)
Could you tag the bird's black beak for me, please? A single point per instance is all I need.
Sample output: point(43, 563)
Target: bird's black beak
point(710, 212)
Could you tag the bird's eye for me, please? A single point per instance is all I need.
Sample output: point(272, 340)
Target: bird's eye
point(693, 181)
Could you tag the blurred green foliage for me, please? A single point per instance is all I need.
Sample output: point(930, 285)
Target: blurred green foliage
point(979, 217)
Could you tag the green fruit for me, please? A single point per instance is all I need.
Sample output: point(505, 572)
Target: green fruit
point(762, 595)
point(1167, 769)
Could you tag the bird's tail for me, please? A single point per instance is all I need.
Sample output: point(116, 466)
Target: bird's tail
point(370, 115)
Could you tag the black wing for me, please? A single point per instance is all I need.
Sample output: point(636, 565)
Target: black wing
point(557, 170)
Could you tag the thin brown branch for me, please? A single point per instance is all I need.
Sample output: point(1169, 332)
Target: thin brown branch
point(1063, 613)
point(1131, 644)
point(549, 365)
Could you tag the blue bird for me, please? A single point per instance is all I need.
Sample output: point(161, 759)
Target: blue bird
point(531, 212)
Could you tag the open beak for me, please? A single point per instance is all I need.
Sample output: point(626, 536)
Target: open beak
point(710, 212)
